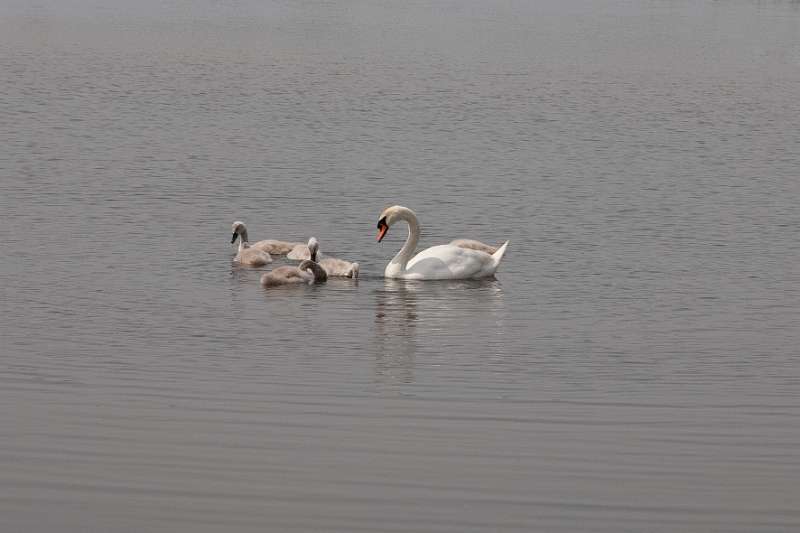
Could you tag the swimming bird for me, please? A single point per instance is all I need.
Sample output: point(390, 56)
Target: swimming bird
point(301, 251)
point(333, 266)
point(249, 256)
point(339, 267)
point(306, 272)
point(269, 246)
point(446, 261)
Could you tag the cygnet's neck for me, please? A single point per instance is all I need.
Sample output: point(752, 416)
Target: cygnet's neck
point(243, 242)
point(319, 273)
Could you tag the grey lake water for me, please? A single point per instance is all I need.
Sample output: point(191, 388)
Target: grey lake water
point(633, 366)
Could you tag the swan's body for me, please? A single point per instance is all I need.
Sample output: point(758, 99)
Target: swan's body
point(306, 272)
point(334, 267)
point(474, 245)
point(300, 251)
point(446, 261)
point(269, 246)
point(274, 247)
point(339, 267)
point(249, 256)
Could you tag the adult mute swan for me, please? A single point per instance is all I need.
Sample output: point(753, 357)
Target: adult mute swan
point(269, 246)
point(446, 261)
point(306, 272)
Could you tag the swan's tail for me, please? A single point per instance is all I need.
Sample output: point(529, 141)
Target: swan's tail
point(498, 255)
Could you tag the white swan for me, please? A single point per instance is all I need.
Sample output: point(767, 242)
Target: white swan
point(474, 245)
point(446, 261)
point(269, 246)
point(306, 272)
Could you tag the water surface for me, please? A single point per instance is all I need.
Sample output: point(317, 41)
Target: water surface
point(632, 368)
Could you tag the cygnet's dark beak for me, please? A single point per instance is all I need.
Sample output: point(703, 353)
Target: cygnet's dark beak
point(233, 238)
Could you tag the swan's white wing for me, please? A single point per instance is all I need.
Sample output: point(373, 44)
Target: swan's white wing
point(474, 245)
point(449, 262)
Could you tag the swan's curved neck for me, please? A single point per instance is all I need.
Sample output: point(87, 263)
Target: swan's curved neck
point(398, 264)
point(319, 273)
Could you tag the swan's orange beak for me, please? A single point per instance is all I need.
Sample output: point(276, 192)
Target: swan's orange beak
point(382, 229)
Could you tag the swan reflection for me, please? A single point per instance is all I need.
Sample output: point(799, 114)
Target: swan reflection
point(416, 316)
point(395, 326)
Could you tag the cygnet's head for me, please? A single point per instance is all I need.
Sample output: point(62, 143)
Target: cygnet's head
point(238, 229)
point(313, 248)
point(320, 276)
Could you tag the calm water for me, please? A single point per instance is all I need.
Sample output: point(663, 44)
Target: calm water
point(633, 368)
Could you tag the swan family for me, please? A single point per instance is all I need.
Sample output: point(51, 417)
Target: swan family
point(460, 259)
point(308, 271)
